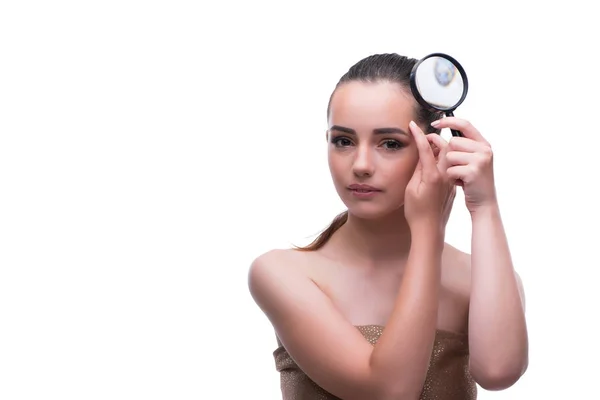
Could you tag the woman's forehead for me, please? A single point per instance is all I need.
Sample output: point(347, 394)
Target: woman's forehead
point(365, 103)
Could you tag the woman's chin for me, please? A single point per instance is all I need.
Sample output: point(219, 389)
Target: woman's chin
point(372, 211)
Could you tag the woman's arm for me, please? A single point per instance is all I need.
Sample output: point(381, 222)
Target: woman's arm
point(330, 350)
point(326, 346)
point(497, 328)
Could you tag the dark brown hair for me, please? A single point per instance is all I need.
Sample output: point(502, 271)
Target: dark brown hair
point(389, 67)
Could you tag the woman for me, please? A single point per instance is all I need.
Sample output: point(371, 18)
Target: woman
point(379, 306)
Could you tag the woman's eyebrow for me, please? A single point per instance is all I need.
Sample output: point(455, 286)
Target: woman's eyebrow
point(377, 131)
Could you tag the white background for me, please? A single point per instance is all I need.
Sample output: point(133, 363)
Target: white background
point(150, 150)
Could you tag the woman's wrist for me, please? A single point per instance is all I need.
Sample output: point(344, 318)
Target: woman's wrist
point(428, 234)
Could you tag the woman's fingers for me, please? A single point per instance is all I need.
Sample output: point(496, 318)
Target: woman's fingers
point(426, 157)
point(442, 145)
point(462, 125)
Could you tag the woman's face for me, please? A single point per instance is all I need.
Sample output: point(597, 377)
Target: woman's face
point(369, 143)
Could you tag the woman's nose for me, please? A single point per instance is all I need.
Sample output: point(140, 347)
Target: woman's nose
point(364, 164)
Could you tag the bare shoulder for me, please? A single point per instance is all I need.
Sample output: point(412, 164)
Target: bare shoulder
point(457, 269)
point(457, 257)
point(337, 358)
point(277, 266)
point(280, 279)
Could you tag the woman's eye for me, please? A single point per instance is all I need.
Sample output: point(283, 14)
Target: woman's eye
point(341, 142)
point(392, 144)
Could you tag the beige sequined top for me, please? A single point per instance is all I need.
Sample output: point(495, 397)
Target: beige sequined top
point(448, 376)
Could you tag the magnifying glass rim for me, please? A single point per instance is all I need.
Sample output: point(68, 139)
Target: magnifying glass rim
point(415, 90)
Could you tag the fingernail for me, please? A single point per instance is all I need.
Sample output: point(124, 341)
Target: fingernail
point(412, 124)
point(435, 123)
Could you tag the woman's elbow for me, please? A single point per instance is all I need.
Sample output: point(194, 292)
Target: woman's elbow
point(495, 378)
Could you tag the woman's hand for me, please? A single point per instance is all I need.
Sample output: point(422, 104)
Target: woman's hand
point(430, 192)
point(469, 161)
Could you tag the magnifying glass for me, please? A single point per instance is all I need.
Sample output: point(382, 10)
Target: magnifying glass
point(439, 83)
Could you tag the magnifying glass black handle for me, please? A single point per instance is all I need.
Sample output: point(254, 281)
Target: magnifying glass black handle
point(454, 131)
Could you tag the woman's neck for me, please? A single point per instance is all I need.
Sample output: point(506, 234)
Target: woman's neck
point(377, 242)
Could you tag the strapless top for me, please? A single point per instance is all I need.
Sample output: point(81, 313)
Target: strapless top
point(448, 376)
